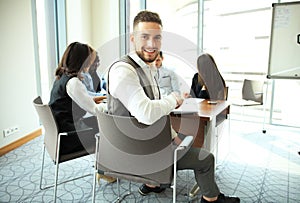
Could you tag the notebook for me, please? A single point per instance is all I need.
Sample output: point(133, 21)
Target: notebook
point(189, 105)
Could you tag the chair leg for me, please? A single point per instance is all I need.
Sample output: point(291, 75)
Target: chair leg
point(119, 194)
point(175, 175)
point(42, 170)
point(96, 168)
point(121, 197)
point(55, 181)
point(94, 186)
point(129, 188)
point(194, 191)
point(187, 183)
point(56, 168)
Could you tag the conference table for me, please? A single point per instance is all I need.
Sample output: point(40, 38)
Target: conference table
point(200, 118)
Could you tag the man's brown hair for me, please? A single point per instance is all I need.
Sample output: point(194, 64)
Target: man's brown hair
point(146, 16)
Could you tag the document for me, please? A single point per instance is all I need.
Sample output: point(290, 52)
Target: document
point(189, 105)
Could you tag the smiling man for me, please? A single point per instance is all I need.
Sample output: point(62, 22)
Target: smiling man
point(133, 91)
point(147, 40)
point(132, 87)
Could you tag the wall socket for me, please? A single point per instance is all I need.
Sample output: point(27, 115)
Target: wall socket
point(10, 131)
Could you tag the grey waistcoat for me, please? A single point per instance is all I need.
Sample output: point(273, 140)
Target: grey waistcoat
point(114, 105)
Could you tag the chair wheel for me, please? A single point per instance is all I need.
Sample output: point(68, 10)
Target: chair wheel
point(264, 131)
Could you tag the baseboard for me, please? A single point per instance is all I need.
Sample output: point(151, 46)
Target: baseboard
point(20, 141)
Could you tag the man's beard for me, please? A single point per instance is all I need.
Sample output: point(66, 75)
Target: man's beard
point(139, 53)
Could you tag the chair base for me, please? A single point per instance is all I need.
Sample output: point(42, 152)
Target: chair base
point(119, 199)
point(50, 186)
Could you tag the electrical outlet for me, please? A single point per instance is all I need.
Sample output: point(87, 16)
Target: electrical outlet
point(6, 132)
point(10, 131)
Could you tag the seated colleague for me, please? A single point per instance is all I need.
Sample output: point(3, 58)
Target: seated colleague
point(129, 96)
point(91, 78)
point(208, 83)
point(166, 78)
point(69, 99)
point(198, 89)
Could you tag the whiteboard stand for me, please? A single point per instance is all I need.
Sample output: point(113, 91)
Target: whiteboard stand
point(264, 107)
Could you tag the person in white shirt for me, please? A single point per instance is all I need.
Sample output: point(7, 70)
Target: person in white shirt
point(166, 78)
point(133, 91)
point(70, 101)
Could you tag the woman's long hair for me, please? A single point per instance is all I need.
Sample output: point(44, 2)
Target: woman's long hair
point(76, 57)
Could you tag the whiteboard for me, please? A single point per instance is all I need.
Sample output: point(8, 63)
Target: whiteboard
point(284, 53)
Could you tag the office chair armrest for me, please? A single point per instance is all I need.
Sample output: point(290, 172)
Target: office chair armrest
point(97, 135)
point(187, 141)
point(75, 132)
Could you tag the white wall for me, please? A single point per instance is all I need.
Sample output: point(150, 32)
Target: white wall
point(105, 21)
point(95, 22)
point(17, 65)
point(78, 21)
point(105, 29)
point(92, 21)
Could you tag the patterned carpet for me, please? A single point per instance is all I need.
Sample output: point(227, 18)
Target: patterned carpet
point(254, 166)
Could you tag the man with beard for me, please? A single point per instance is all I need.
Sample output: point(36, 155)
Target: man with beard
point(133, 91)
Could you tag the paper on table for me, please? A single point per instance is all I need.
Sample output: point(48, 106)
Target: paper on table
point(189, 105)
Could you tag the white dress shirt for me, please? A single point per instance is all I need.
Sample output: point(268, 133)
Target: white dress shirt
point(78, 92)
point(124, 85)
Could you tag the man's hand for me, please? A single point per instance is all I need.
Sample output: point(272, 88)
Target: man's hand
point(186, 95)
point(99, 99)
point(179, 99)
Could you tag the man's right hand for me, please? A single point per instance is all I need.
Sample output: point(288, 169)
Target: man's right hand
point(179, 99)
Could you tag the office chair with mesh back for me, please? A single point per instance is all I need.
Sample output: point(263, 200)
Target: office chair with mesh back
point(53, 143)
point(252, 95)
point(127, 149)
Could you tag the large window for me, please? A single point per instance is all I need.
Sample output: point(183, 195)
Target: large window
point(237, 34)
point(180, 28)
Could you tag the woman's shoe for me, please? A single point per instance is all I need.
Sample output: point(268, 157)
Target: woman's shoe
point(106, 178)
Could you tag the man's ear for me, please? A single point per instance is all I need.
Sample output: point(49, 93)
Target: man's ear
point(132, 37)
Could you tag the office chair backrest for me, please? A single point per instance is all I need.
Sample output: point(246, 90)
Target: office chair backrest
point(253, 90)
point(51, 131)
point(137, 150)
point(212, 78)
